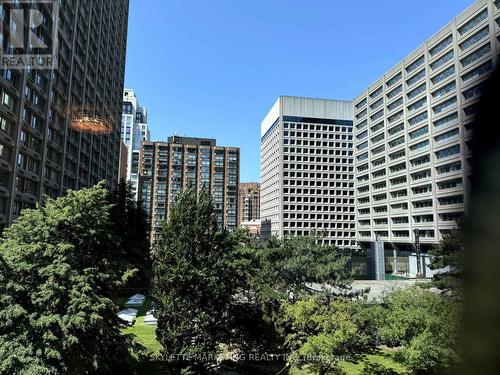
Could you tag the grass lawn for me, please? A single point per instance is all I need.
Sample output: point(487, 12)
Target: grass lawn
point(382, 357)
point(146, 334)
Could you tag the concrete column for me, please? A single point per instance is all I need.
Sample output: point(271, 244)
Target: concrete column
point(378, 256)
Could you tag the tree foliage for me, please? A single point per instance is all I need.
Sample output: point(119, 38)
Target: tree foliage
point(296, 267)
point(57, 270)
point(423, 325)
point(131, 226)
point(426, 325)
point(449, 257)
point(195, 281)
point(321, 334)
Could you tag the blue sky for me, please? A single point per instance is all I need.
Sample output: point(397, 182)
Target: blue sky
point(213, 68)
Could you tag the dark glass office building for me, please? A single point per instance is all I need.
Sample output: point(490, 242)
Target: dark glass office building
point(41, 151)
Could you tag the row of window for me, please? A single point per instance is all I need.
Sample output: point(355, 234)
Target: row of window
point(307, 216)
point(319, 128)
point(421, 204)
point(479, 71)
point(307, 224)
point(442, 169)
point(441, 185)
point(435, 50)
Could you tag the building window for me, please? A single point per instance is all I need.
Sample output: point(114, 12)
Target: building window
point(362, 125)
point(441, 45)
point(473, 22)
point(476, 55)
point(419, 146)
point(378, 150)
point(391, 82)
point(417, 119)
point(442, 60)
point(474, 39)
point(446, 120)
point(361, 104)
point(474, 91)
point(479, 71)
point(447, 201)
point(417, 105)
point(447, 152)
point(452, 167)
point(443, 75)
point(396, 142)
point(397, 155)
point(416, 92)
point(396, 129)
point(7, 100)
point(419, 132)
point(395, 104)
point(377, 104)
point(395, 92)
point(414, 65)
point(395, 117)
point(447, 136)
point(377, 92)
point(377, 115)
point(444, 90)
point(417, 77)
point(420, 161)
point(445, 105)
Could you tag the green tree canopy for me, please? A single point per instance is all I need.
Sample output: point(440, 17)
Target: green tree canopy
point(320, 334)
point(131, 225)
point(195, 281)
point(296, 267)
point(57, 269)
point(448, 256)
point(426, 325)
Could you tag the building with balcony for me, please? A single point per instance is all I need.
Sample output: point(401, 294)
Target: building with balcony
point(135, 130)
point(412, 133)
point(307, 170)
point(60, 129)
point(166, 168)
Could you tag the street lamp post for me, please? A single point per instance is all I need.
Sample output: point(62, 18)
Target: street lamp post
point(417, 247)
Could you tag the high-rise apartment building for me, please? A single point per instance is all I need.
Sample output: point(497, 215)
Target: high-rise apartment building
point(413, 130)
point(135, 130)
point(249, 202)
point(168, 167)
point(307, 177)
point(42, 152)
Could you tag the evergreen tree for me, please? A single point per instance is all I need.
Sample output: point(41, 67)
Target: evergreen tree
point(57, 269)
point(296, 267)
point(448, 257)
point(131, 225)
point(194, 283)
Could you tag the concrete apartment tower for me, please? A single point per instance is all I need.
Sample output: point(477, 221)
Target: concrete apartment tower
point(41, 151)
point(307, 176)
point(413, 130)
point(168, 167)
point(135, 130)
